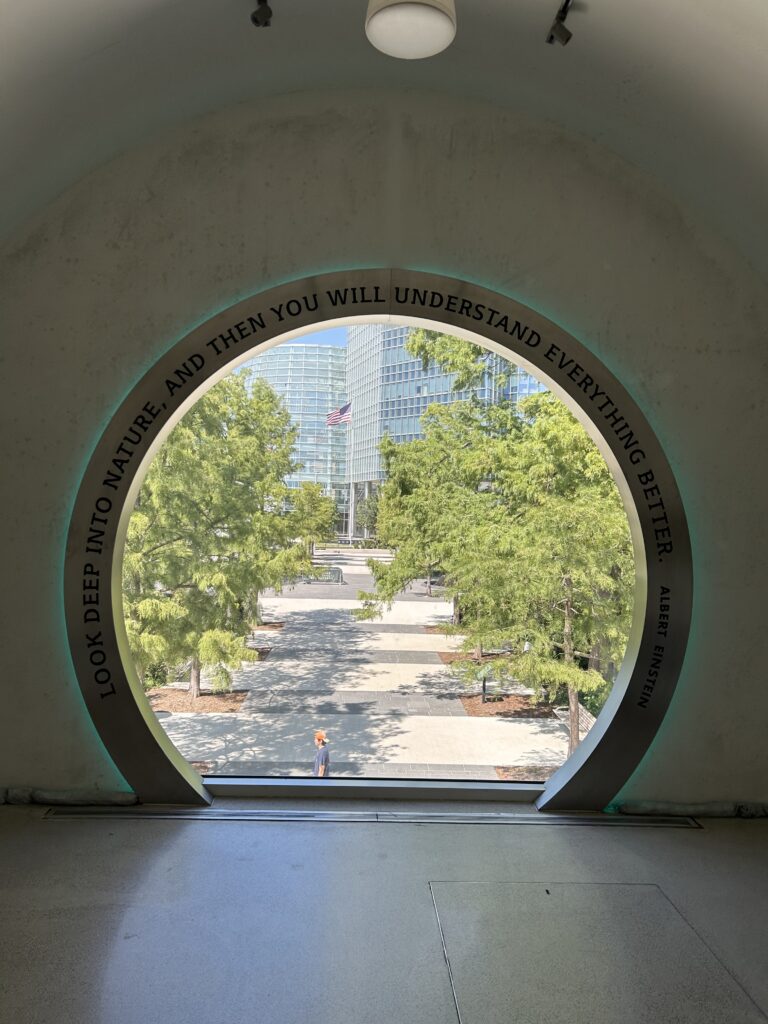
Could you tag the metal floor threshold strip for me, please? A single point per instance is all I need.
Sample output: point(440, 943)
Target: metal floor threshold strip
point(360, 817)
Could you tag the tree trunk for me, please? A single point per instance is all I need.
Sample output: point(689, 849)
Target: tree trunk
point(573, 694)
point(194, 679)
point(429, 581)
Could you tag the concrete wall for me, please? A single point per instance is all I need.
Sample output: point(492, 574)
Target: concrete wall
point(126, 261)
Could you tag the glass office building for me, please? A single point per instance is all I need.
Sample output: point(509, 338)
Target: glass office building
point(390, 391)
point(311, 380)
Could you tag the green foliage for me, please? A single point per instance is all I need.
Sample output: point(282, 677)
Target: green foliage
point(313, 515)
point(469, 362)
point(156, 674)
point(594, 700)
point(208, 532)
point(518, 509)
point(367, 512)
point(549, 677)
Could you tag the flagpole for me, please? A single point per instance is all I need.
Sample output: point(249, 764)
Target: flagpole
point(352, 503)
point(334, 419)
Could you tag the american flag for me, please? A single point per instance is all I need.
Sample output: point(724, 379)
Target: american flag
point(342, 415)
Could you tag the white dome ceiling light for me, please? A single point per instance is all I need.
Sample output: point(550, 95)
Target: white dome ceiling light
point(411, 30)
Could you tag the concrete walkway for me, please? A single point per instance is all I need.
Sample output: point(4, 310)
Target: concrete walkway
point(379, 689)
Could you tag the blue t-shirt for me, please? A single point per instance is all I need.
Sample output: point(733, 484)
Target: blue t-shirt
point(322, 758)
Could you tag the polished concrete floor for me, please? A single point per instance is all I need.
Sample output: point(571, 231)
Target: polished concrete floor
point(128, 920)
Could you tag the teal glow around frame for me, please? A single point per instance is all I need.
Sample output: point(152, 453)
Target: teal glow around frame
point(589, 775)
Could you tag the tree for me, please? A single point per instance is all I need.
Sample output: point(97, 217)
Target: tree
point(208, 532)
point(313, 515)
point(517, 507)
point(469, 362)
point(367, 512)
point(574, 549)
point(413, 503)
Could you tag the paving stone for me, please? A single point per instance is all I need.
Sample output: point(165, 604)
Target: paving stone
point(383, 704)
point(341, 655)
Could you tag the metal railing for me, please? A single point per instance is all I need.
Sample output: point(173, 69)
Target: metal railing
point(329, 574)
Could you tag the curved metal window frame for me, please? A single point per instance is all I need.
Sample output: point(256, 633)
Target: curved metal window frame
point(625, 728)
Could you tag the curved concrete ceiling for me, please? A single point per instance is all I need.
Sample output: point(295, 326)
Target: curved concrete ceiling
point(679, 90)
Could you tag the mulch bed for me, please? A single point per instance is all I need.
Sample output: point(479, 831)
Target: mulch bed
point(527, 772)
point(168, 698)
point(448, 657)
point(268, 626)
point(434, 629)
point(513, 706)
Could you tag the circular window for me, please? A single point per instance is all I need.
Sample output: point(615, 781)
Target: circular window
point(662, 602)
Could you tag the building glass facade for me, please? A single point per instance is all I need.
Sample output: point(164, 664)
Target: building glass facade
point(311, 380)
point(390, 391)
point(364, 384)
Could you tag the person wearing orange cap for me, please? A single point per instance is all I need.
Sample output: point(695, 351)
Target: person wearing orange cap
point(322, 767)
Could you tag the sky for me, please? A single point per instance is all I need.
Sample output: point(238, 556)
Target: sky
point(336, 336)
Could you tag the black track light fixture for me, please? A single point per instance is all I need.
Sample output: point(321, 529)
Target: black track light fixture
point(558, 32)
point(262, 16)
